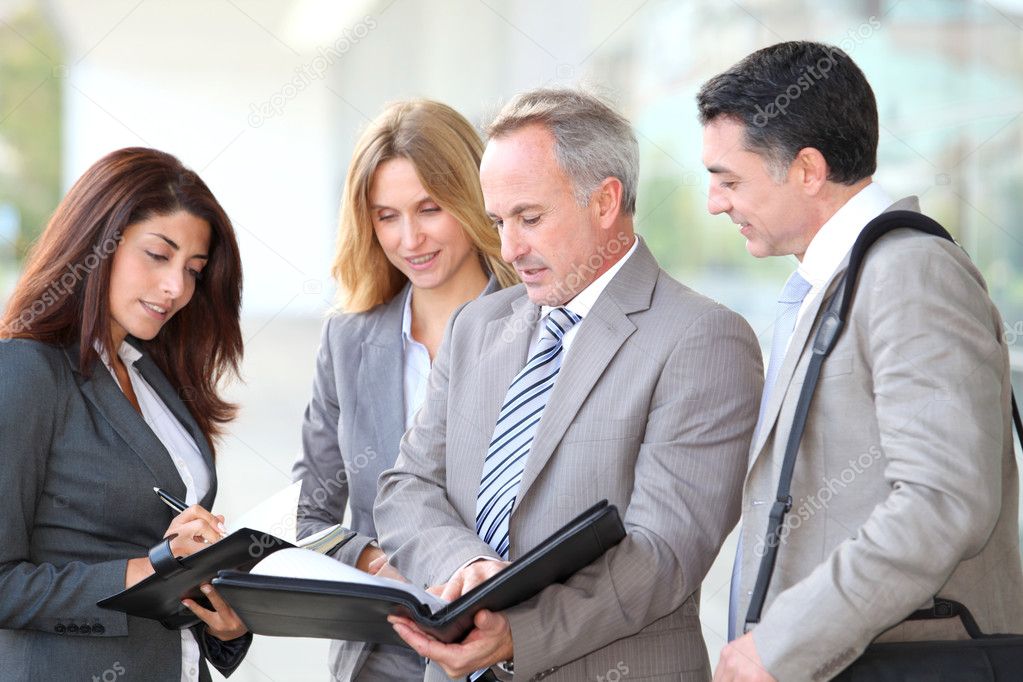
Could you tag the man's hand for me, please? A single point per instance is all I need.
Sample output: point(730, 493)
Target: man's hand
point(489, 643)
point(382, 567)
point(740, 662)
point(467, 578)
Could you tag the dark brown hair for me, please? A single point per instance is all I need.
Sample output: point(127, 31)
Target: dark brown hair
point(63, 296)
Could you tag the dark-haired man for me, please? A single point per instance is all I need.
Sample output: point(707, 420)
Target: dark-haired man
point(905, 484)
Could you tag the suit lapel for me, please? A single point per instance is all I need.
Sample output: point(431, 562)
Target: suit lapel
point(381, 373)
point(600, 336)
point(801, 343)
point(505, 349)
point(102, 391)
point(170, 397)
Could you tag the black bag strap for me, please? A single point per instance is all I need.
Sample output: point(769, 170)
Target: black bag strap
point(831, 326)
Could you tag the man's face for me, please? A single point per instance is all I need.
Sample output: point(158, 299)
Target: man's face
point(771, 215)
point(545, 234)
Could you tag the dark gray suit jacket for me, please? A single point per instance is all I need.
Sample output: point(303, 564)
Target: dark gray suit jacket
point(351, 433)
point(76, 499)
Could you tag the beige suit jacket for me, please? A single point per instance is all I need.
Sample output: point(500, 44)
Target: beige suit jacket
point(905, 485)
point(653, 410)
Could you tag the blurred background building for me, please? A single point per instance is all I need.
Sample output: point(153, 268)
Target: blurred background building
point(265, 99)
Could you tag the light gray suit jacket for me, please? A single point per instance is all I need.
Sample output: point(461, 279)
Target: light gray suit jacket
point(351, 432)
point(905, 486)
point(653, 410)
point(76, 499)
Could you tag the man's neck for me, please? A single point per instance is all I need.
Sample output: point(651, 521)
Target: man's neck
point(833, 196)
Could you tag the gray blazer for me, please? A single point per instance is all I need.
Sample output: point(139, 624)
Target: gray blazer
point(906, 484)
point(653, 410)
point(76, 499)
point(350, 434)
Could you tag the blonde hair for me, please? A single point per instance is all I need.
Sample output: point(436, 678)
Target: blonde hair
point(445, 150)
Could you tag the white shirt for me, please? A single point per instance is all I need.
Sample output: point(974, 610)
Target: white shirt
point(187, 460)
point(416, 367)
point(582, 303)
point(832, 243)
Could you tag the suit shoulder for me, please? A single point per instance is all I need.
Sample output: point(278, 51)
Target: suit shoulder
point(32, 365)
point(908, 253)
point(493, 305)
point(690, 307)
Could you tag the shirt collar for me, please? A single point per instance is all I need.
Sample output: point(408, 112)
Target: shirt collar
point(836, 237)
point(406, 317)
point(128, 353)
point(406, 320)
point(585, 299)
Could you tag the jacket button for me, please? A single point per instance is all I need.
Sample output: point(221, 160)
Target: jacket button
point(98, 629)
point(84, 629)
point(59, 628)
point(72, 629)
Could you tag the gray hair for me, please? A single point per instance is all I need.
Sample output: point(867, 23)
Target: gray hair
point(592, 141)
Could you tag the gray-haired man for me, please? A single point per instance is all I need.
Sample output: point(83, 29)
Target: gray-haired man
point(600, 378)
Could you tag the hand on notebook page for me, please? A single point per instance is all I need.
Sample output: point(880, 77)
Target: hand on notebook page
point(468, 577)
point(490, 642)
point(383, 568)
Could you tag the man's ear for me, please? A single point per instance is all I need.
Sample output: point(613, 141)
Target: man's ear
point(607, 202)
point(811, 170)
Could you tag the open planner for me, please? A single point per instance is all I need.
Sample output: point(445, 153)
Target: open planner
point(159, 597)
point(296, 593)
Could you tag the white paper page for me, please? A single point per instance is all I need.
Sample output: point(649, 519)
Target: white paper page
point(303, 563)
point(274, 515)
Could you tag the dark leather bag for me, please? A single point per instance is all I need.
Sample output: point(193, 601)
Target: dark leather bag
point(983, 657)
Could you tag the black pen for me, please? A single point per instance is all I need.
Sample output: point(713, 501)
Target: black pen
point(174, 503)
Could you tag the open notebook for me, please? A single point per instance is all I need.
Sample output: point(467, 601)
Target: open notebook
point(159, 597)
point(296, 593)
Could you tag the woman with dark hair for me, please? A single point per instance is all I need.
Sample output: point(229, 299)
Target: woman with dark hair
point(414, 244)
point(111, 350)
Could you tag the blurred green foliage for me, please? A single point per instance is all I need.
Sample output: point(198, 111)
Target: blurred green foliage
point(30, 122)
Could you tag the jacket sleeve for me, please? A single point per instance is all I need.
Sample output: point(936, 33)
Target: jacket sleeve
point(41, 596)
point(321, 469)
point(225, 656)
point(413, 515)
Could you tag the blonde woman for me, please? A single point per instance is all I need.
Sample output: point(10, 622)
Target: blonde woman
point(414, 244)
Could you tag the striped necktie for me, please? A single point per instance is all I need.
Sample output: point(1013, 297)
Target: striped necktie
point(517, 422)
point(795, 290)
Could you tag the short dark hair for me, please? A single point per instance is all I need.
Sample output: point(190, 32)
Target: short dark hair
point(795, 95)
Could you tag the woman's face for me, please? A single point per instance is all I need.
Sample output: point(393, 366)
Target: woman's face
point(421, 239)
point(154, 273)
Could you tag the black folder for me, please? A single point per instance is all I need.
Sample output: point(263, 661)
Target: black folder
point(295, 607)
point(160, 598)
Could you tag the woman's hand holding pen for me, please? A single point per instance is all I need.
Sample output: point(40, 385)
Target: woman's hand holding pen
point(194, 528)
